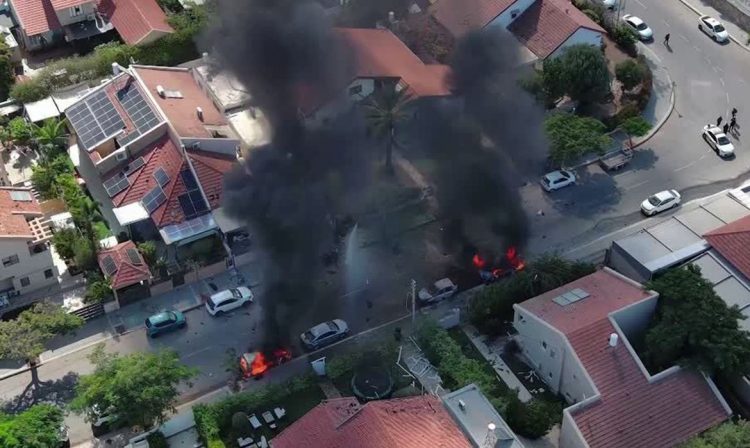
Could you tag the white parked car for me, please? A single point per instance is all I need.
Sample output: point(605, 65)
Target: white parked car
point(324, 334)
point(663, 200)
point(228, 300)
point(609, 4)
point(639, 26)
point(440, 290)
point(556, 180)
point(713, 28)
point(716, 139)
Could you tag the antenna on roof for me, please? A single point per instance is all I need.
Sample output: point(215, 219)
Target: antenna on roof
point(613, 338)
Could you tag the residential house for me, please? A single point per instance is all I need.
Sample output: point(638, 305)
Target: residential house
point(577, 339)
point(380, 59)
point(153, 149)
point(27, 263)
point(43, 23)
point(415, 422)
point(546, 27)
point(127, 272)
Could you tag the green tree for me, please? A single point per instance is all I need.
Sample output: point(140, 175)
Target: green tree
point(694, 327)
point(37, 427)
point(630, 73)
point(44, 175)
point(635, 127)
point(386, 110)
point(554, 80)
point(572, 136)
point(533, 419)
point(51, 133)
point(148, 250)
point(580, 72)
point(727, 435)
point(140, 388)
point(97, 290)
point(7, 70)
point(84, 254)
point(20, 130)
point(65, 241)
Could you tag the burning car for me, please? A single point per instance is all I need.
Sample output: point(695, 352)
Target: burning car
point(441, 289)
point(503, 267)
point(255, 364)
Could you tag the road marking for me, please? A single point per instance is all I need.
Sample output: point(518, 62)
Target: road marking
point(697, 49)
point(677, 170)
point(727, 94)
point(665, 22)
point(204, 349)
point(640, 3)
point(722, 81)
point(636, 185)
point(684, 38)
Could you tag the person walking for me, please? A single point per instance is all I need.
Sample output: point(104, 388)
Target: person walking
point(732, 124)
point(718, 120)
point(734, 112)
point(726, 128)
point(666, 39)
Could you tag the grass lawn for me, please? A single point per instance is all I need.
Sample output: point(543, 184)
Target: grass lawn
point(101, 230)
point(296, 406)
point(471, 352)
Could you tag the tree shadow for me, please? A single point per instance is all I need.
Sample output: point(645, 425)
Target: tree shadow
point(57, 392)
point(643, 159)
point(595, 192)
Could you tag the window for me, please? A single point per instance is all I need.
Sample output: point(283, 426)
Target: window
point(25, 281)
point(48, 273)
point(76, 11)
point(9, 261)
point(355, 90)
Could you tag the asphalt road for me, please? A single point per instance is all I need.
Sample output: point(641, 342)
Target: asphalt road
point(710, 79)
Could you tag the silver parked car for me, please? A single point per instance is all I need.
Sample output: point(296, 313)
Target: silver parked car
point(324, 334)
point(440, 290)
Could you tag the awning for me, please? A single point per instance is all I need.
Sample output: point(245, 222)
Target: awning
point(130, 213)
point(189, 230)
point(226, 223)
point(42, 110)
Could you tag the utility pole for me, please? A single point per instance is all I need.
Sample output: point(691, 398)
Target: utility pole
point(413, 300)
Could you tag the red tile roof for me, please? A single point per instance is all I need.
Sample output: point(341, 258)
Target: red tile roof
point(135, 20)
point(36, 16)
point(128, 273)
point(65, 4)
point(462, 16)
point(547, 24)
point(380, 54)
point(732, 241)
point(415, 422)
point(13, 214)
point(630, 411)
point(181, 112)
point(211, 168)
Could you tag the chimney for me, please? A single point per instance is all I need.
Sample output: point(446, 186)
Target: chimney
point(462, 405)
point(160, 91)
point(613, 338)
point(199, 111)
point(391, 17)
point(115, 69)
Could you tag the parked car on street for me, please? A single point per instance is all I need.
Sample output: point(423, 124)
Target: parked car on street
point(440, 290)
point(718, 141)
point(609, 4)
point(558, 179)
point(165, 322)
point(661, 201)
point(228, 300)
point(639, 26)
point(713, 28)
point(324, 334)
point(102, 422)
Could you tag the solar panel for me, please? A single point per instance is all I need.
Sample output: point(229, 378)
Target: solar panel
point(189, 180)
point(154, 199)
point(135, 258)
point(94, 119)
point(138, 109)
point(20, 196)
point(161, 176)
point(189, 228)
point(133, 166)
point(116, 184)
point(109, 265)
point(193, 204)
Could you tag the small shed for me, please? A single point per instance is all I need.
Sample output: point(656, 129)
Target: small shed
point(129, 275)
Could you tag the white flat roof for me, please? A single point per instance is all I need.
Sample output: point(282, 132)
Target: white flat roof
point(42, 110)
point(130, 213)
point(227, 89)
point(69, 96)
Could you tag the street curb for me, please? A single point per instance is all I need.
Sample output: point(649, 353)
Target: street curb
point(734, 39)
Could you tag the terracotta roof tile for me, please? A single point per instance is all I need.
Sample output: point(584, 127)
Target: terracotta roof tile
point(210, 168)
point(181, 112)
point(630, 411)
point(547, 24)
point(65, 4)
point(13, 213)
point(128, 273)
point(36, 16)
point(462, 16)
point(415, 422)
point(135, 19)
point(732, 241)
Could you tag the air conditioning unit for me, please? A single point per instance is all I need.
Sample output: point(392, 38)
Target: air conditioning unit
point(121, 156)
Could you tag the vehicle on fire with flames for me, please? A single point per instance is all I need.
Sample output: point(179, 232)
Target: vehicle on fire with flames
point(255, 364)
point(440, 290)
point(228, 300)
point(500, 267)
point(164, 322)
point(324, 334)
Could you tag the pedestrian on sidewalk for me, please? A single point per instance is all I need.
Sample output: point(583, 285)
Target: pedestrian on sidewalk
point(734, 112)
point(732, 124)
point(718, 120)
point(726, 127)
point(666, 39)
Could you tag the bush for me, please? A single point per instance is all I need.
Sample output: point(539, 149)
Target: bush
point(157, 440)
point(64, 241)
point(624, 37)
point(97, 291)
point(593, 15)
point(630, 73)
point(148, 251)
point(533, 419)
point(29, 91)
point(628, 110)
point(20, 130)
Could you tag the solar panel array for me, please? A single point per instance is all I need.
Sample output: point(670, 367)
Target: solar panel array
point(188, 228)
point(192, 201)
point(133, 166)
point(570, 297)
point(134, 257)
point(154, 199)
point(20, 196)
point(109, 265)
point(95, 119)
point(137, 108)
point(161, 176)
point(116, 184)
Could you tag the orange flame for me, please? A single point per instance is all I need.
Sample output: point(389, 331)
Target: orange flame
point(259, 365)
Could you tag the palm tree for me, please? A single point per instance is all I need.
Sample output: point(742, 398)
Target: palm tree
point(384, 112)
point(51, 134)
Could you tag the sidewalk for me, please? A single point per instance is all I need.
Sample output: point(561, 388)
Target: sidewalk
point(736, 33)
